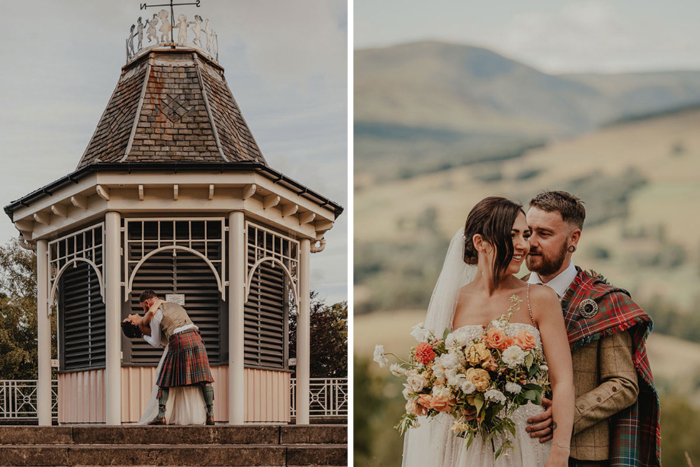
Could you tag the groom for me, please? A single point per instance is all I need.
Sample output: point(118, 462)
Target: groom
point(186, 362)
point(616, 420)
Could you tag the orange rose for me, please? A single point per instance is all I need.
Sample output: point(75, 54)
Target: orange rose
point(508, 342)
point(525, 340)
point(425, 400)
point(496, 338)
point(441, 404)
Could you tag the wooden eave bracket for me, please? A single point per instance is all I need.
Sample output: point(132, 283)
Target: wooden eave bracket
point(60, 210)
point(290, 210)
point(42, 217)
point(271, 201)
point(249, 190)
point(102, 192)
point(79, 201)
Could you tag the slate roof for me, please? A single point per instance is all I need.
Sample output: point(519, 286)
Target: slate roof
point(172, 106)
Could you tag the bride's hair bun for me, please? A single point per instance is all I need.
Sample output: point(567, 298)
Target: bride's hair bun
point(471, 256)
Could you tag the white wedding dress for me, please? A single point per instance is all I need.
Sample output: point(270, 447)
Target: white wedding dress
point(526, 452)
point(432, 443)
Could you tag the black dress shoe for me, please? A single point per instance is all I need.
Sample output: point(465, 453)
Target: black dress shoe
point(210, 420)
point(157, 421)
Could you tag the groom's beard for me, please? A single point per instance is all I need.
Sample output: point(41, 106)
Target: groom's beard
point(545, 265)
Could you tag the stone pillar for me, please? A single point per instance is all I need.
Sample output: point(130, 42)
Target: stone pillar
point(44, 334)
point(236, 322)
point(113, 314)
point(304, 336)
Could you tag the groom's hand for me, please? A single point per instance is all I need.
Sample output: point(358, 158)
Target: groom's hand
point(540, 426)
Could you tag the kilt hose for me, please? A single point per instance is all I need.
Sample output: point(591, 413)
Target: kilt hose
point(186, 362)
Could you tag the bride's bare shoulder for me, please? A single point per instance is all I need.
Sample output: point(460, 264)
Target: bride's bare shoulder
point(542, 297)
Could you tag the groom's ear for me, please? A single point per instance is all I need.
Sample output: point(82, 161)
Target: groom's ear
point(575, 236)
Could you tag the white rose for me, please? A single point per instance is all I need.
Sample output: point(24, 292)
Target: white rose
point(415, 381)
point(456, 340)
point(513, 356)
point(513, 388)
point(495, 395)
point(449, 361)
point(379, 356)
point(406, 392)
point(441, 391)
point(420, 333)
point(397, 370)
point(467, 387)
point(455, 379)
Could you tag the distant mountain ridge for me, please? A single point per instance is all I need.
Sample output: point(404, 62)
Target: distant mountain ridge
point(431, 104)
point(436, 84)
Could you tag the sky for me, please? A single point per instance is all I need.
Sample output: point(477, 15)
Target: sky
point(285, 62)
point(555, 36)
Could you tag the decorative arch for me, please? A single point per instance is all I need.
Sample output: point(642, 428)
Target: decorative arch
point(130, 282)
point(74, 262)
point(291, 278)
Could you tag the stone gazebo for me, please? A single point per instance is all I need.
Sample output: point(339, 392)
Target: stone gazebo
point(173, 193)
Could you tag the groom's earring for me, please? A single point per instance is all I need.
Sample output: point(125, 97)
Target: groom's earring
point(571, 248)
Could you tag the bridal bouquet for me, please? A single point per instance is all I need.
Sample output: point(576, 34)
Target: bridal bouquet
point(480, 382)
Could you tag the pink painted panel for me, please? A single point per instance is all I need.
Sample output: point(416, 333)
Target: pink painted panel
point(81, 397)
point(267, 394)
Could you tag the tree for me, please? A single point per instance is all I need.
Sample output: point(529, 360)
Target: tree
point(18, 323)
point(329, 338)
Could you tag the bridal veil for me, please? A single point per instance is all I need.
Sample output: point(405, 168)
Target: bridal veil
point(425, 445)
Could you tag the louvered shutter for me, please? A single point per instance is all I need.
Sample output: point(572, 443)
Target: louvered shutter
point(266, 317)
point(82, 318)
point(183, 273)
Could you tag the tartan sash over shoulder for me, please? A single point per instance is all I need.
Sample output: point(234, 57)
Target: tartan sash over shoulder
point(635, 432)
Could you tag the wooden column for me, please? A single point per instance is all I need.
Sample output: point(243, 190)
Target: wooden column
point(304, 336)
point(236, 303)
point(113, 318)
point(44, 334)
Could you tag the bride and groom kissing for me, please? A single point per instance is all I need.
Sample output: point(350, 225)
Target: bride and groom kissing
point(604, 409)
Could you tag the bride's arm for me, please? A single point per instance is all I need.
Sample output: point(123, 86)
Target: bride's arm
point(548, 315)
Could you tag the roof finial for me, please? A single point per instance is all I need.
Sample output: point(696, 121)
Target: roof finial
point(205, 37)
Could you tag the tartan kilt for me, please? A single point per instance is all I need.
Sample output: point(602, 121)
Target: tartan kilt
point(186, 362)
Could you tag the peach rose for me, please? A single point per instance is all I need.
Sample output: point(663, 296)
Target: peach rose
point(425, 353)
point(525, 340)
point(508, 342)
point(479, 378)
point(478, 353)
point(425, 401)
point(496, 338)
point(415, 409)
point(441, 404)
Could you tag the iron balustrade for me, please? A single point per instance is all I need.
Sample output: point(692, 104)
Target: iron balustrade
point(328, 397)
point(18, 399)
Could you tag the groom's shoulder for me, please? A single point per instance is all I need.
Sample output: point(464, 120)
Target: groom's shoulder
point(599, 288)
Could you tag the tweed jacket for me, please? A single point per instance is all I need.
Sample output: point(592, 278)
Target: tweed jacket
point(605, 381)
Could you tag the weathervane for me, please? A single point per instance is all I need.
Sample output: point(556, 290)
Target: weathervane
point(204, 36)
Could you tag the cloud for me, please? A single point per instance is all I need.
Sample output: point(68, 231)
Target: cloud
point(592, 35)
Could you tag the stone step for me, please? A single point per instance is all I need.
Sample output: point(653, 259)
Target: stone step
point(193, 435)
point(172, 455)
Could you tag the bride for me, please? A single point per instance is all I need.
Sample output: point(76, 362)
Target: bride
point(474, 288)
